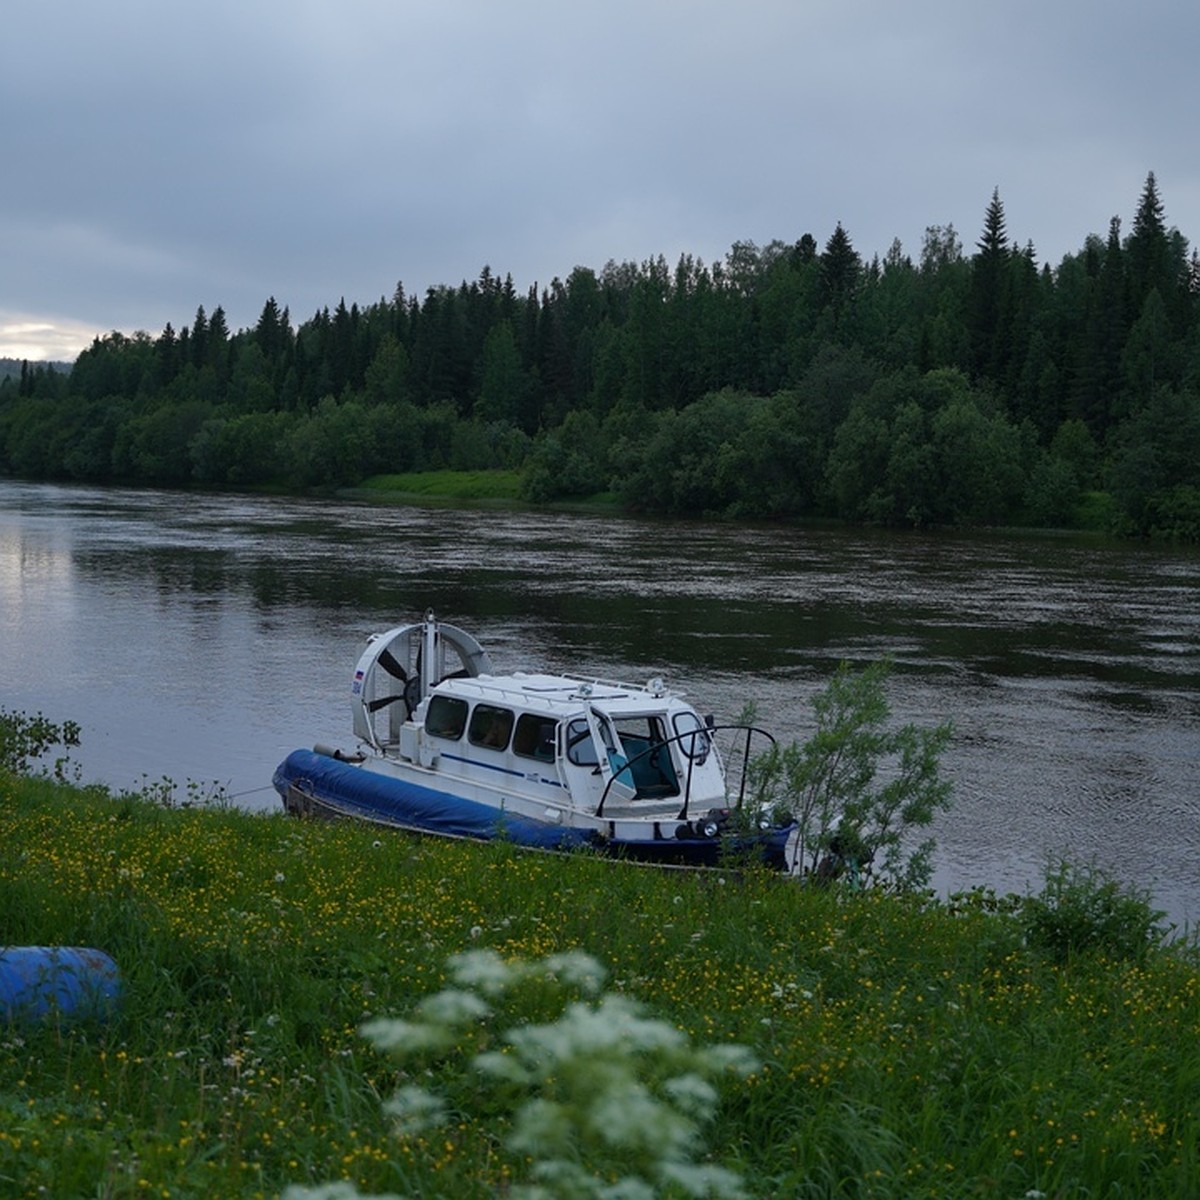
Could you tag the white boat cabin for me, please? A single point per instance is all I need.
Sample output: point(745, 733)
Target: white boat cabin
point(589, 747)
point(609, 746)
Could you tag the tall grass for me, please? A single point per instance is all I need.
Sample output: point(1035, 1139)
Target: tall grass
point(907, 1048)
point(447, 485)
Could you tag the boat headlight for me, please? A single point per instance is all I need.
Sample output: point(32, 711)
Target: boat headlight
point(709, 827)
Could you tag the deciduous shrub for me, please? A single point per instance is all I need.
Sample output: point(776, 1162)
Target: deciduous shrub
point(1082, 908)
point(858, 789)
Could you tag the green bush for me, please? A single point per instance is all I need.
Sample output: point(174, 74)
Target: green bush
point(857, 788)
point(1082, 909)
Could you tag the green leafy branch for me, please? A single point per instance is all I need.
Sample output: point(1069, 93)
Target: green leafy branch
point(24, 739)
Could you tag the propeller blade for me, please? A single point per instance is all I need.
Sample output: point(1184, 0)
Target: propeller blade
point(382, 702)
point(393, 666)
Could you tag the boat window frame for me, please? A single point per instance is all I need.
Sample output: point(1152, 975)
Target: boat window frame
point(456, 704)
point(485, 719)
point(543, 740)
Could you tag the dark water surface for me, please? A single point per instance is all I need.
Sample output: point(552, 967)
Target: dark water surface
point(203, 638)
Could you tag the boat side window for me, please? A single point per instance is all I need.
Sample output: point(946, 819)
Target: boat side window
point(694, 738)
point(581, 749)
point(534, 737)
point(490, 726)
point(446, 718)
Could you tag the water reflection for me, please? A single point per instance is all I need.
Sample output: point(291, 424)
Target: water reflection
point(204, 637)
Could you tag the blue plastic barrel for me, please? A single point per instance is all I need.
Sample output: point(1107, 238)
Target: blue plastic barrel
point(67, 980)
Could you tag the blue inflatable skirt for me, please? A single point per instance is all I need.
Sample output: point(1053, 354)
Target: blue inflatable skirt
point(67, 981)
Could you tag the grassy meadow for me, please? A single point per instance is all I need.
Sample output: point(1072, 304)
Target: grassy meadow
point(906, 1048)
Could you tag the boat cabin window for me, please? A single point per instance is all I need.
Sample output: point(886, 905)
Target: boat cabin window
point(694, 738)
point(581, 749)
point(534, 737)
point(446, 718)
point(490, 726)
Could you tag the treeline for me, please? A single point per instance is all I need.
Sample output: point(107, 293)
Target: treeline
point(787, 380)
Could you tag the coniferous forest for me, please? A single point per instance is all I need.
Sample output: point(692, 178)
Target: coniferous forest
point(965, 387)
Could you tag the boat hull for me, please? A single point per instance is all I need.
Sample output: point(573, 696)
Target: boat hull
point(316, 785)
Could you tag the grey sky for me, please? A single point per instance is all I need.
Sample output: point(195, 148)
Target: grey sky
point(160, 155)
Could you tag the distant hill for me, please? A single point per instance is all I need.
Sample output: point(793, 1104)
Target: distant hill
point(10, 368)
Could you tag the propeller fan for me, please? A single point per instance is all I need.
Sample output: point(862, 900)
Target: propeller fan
point(411, 693)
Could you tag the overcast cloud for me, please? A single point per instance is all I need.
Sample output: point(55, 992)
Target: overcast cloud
point(161, 156)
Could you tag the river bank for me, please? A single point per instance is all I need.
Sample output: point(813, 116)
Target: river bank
point(905, 1048)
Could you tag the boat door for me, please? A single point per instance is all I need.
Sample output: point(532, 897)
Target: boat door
point(590, 758)
point(612, 757)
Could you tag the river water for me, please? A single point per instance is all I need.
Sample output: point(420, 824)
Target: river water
point(203, 637)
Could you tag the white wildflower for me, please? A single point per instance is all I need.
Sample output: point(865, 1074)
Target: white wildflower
point(578, 969)
point(698, 1180)
point(625, 1115)
point(452, 1006)
point(692, 1094)
point(728, 1056)
point(333, 1191)
point(566, 1178)
point(503, 1066)
point(415, 1111)
point(629, 1188)
point(542, 1127)
point(485, 971)
point(615, 1026)
point(407, 1037)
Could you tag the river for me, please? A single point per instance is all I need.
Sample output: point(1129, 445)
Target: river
point(203, 637)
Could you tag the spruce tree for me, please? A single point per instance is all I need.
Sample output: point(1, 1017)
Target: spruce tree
point(1148, 253)
point(840, 271)
point(988, 274)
